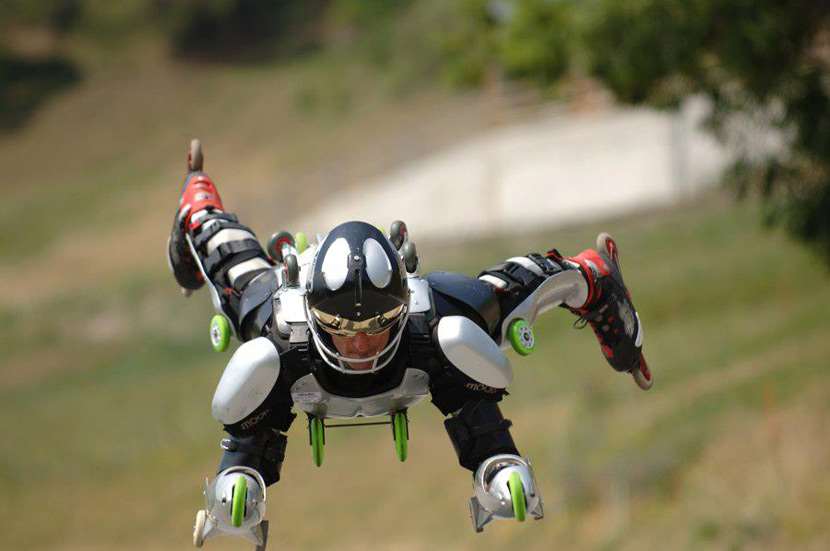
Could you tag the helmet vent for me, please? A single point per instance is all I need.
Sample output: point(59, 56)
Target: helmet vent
point(335, 265)
point(378, 267)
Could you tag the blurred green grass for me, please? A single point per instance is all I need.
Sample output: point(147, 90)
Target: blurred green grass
point(108, 432)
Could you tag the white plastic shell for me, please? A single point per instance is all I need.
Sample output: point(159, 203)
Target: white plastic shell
point(492, 497)
point(310, 397)
point(219, 496)
point(248, 378)
point(473, 352)
point(568, 287)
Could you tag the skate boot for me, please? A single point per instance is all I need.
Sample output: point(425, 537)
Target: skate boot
point(504, 487)
point(235, 506)
point(610, 311)
point(198, 198)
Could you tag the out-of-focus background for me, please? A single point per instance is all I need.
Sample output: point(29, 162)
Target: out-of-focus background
point(697, 133)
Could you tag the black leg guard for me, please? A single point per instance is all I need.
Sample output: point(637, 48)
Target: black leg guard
point(263, 451)
point(479, 431)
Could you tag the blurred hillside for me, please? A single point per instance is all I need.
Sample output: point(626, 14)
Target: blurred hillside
point(107, 372)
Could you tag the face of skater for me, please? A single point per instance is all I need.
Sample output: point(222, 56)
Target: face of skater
point(361, 345)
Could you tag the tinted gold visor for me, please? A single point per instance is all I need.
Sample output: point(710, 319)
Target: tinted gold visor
point(336, 325)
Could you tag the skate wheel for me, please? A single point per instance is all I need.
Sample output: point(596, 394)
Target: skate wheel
point(276, 243)
point(199, 528)
point(317, 437)
point(195, 159)
point(292, 270)
point(398, 233)
point(240, 493)
point(517, 495)
point(220, 333)
point(400, 428)
point(521, 337)
point(642, 375)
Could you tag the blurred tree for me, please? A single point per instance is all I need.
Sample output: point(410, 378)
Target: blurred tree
point(764, 66)
point(32, 67)
point(236, 30)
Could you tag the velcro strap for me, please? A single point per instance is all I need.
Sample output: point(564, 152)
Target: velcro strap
point(224, 251)
point(270, 449)
point(548, 266)
point(221, 224)
point(481, 430)
point(513, 274)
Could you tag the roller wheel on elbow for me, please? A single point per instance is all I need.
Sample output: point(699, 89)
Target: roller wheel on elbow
point(517, 496)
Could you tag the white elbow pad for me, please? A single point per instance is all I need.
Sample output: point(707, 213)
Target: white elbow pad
point(471, 350)
point(249, 377)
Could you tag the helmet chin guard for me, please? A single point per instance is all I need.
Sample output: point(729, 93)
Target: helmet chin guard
point(340, 361)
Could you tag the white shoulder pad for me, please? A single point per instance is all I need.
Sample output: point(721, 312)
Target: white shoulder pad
point(419, 300)
point(248, 378)
point(473, 352)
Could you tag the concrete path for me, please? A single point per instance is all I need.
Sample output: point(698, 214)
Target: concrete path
point(560, 169)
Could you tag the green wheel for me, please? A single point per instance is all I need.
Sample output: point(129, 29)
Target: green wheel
point(300, 241)
point(401, 434)
point(318, 439)
point(520, 335)
point(517, 495)
point(220, 332)
point(240, 493)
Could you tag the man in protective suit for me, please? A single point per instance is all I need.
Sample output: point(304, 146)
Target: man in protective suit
point(347, 328)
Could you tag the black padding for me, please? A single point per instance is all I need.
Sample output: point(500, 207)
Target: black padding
point(514, 275)
point(256, 302)
point(242, 281)
point(479, 431)
point(548, 266)
point(470, 294)
point(207, 234)
point(263, 451)
point(215, 260)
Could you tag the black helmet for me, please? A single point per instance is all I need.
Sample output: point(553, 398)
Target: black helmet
point(357, 284)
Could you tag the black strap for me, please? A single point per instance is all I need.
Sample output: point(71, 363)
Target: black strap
point(224, 251)
point(548, 267)
point(208, 234)
point(513, 275)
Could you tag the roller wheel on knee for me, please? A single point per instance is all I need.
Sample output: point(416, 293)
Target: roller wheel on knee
point(517, 495)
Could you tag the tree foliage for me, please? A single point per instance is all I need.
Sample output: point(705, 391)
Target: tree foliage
point(764, 66)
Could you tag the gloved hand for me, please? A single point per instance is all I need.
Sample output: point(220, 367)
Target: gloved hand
point(235, 506)
point(504, 487)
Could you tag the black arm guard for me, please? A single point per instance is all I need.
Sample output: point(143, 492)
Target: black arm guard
point(263, 451)
point(479, 431)
point(518, 282)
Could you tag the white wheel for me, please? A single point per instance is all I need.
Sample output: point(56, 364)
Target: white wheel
point(641, 379)
point(199, 528)
point(195, 159)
